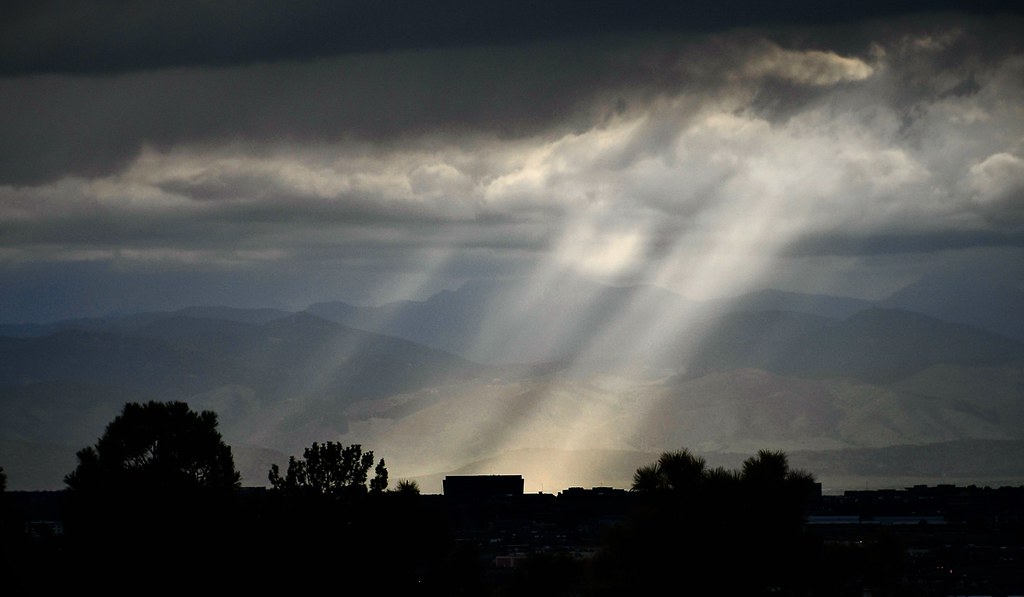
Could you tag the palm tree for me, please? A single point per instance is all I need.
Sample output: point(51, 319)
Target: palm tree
point(721, 477)
point(768, 469)
point(407, 487)
point(676, 471)
point(648, 478)
point(683, 471)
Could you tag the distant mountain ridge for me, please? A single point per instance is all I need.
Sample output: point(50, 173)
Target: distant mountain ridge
point(501, 322)
point(770, 299)
point(968, 297)
point(888, 344)
point(453, 320)
point(289, 374)
point(505, 322)
point(122, 323)
point(781, 331)
point(496, 368)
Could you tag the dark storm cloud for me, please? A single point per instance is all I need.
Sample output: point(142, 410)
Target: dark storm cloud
point(90, 126)
point(71, 36)
point(52, 125)
point(683, 154)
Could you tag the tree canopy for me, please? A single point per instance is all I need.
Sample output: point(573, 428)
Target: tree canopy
point(407, 487)
point(331, 469)
point(680, 470)
point(157, 446)
point(683, 472)
point(716, 521)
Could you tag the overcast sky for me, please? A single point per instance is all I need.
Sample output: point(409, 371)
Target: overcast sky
point(155, 155)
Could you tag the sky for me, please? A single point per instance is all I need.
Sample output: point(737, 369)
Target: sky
point(155, 155)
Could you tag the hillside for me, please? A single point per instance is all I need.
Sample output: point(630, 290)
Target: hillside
point(887, 344)
point(503, 322)
point(279, 385)
point(967, 296)
point(593, 369)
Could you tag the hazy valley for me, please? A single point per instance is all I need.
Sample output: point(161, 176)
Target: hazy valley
point(575, 385)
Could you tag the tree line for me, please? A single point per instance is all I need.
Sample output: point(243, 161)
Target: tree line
point(157, 503)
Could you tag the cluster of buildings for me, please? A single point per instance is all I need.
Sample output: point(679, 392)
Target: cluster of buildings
point(970, 538)
point(966, 539)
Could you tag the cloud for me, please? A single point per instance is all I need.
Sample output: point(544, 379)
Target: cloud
point(811, 67)
point(656, 158)
point(683, 155)
point(94, 126)
point(998, 185)
point(66, 36)
point(89, 126)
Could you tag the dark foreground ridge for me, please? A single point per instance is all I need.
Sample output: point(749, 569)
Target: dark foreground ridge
point(484, 536)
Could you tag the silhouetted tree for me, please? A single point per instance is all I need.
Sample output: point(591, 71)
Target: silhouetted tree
point(16, 571)
point(379, 482)
point(335, 491)
point(407, 487)
point(330, 469)
point(774, 488)
point(648, 478)
point(721, 478)
point(725, 532)
point(679, 471)
point(767, 469)
point(775, 499)
point(157, 446)
point(154, 495)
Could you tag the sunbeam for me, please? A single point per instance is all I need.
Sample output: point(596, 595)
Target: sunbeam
point(560, 248)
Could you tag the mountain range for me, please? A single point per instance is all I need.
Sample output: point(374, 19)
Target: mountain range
point(593, 376)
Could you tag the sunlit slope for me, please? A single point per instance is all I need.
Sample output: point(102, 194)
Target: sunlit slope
point(789, 381)
point(734, 411)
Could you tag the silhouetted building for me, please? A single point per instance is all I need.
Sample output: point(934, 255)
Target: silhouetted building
point(482, 487)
